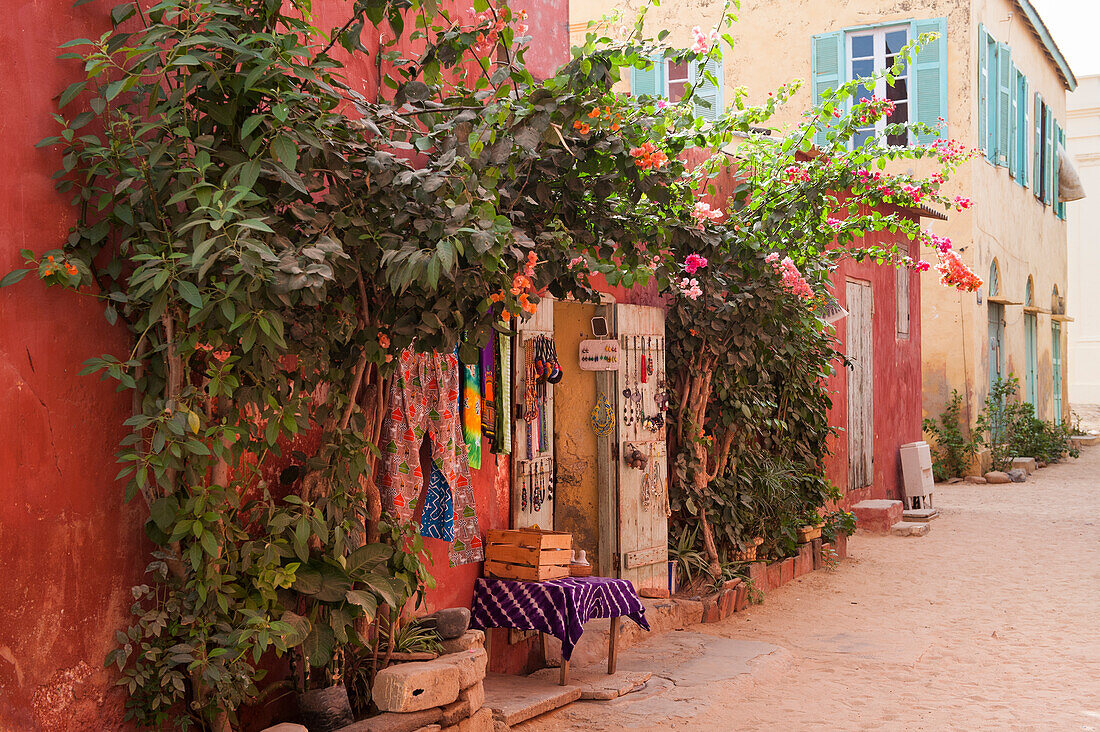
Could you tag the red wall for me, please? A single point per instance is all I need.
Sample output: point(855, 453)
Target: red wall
point(897, 375)
point(69, 548)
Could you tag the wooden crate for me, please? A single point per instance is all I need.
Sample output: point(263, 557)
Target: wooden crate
point(806, 534)
point(527, 554)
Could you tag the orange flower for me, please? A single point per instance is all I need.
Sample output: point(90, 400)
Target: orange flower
point(496, 297)
point(383, 340)
point(70, 268)
point(615, 127)
point(583, 127)
point(594, 113)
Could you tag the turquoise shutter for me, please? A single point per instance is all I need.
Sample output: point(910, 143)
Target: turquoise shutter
point(1013, 123)
point(709, 101)
point(1037, 153)
point(649, 82)
point(983, 89)
point(1059, 207)
point(929, 77)
point(1004, 102)
point(1048, 150)
point(1022, 130)
point(826, 70)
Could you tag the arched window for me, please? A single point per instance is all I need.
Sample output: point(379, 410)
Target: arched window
point(994, 279)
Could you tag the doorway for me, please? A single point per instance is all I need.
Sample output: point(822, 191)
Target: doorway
point(860, 384)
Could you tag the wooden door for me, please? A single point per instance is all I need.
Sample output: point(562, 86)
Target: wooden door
point(1056, 368)
point(642, 493)
point(996, 342)
point(1031, 360)
point(532, 441)
point(860, 385)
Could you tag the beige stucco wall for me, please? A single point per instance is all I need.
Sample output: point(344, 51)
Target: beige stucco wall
point(1083, 297)
point(772, 47)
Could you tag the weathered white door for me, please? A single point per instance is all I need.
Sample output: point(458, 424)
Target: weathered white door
point(860, 385)
point(642, 490)
point(532, 427)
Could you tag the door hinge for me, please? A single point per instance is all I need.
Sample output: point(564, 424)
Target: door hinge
point(617, 562)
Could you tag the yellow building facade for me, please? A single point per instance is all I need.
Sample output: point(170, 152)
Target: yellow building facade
point(1000, 83)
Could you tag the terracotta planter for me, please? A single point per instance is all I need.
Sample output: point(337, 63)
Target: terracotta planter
point(748, 555)
point(325, 710)
point(806, 534)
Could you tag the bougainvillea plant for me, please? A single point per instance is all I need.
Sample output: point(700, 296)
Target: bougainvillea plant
point(271, 236)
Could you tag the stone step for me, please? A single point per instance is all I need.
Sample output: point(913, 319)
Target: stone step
point(877, 515)
point(920, 514)
point(516, 699)
point(910, 528)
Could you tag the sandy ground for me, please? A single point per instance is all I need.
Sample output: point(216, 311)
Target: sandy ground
point(990, 622)
point(1088, 414)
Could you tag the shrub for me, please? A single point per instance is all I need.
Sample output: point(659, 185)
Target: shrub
point(952, 449)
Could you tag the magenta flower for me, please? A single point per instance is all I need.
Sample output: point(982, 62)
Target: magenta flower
point(694, 263)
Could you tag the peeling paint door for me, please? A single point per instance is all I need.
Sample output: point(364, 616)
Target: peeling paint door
point(996, 342)
point(642, 491)
point(860, 385)
point(532, 441)
point(1031, 360)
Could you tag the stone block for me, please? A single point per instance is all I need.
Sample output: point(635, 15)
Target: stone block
point(976, 480)
point(470, 664)
point(920, 514)
point(997, 476)
point(1027, 464)
point(758, 575)
point(450, 622)
point(1017, 475)
point(730, 584)
point(397, 722)
point(804, 562)
point(516, 699)
point(742, 600)
point(286, 727)
point(654, 593)
point(1084, 440)
point(479, 721)
point(430, 728)
point(910, 528)
point(877, 515)
point(787, 574)
point(712, 613)
point(469, 701)
point(465, 642)
point(841, 546)
point(411, 687)
point(775, 575)
point(816, 545)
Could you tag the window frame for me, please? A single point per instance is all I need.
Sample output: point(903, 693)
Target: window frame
point(879, 53)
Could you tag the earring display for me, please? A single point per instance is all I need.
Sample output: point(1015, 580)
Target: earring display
point(599, 355)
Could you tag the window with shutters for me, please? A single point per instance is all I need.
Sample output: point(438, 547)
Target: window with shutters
point(1047, 134)
point(919, 93)
point(1022, 128)
point(670, 79)
point(901, 292)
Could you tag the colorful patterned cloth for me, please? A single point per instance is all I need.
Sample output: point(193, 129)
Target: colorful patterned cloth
point(471, 413)
point(437, 518)
point(558, 607)
point(424, 401)
point(504, 388)
point(488, 391)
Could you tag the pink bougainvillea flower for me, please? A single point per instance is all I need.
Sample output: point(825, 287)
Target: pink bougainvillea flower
point(689, 287)
point(693, 263)
point(703, 213)
point(834, 223)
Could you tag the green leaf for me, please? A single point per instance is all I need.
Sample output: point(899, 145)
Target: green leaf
point(285, 151)
point(300, 628)
point(189, 292)
point(365, 600)
point(367, 556)
point(163, 512)
point(12, 277)
point(318, 646)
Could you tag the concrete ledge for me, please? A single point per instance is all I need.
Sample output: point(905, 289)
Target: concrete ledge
point(910, 528)
point(877, 515)
point(516, 699)
point(1027, 464)
point(1083, 440)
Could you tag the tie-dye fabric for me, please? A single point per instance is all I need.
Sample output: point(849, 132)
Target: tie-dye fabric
point(437, 518)
point(424, 401)
point(504, 389)
point(471, 413)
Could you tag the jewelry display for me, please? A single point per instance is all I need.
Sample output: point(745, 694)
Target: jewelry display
point(603, 417)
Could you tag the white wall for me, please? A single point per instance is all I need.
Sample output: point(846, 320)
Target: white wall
point(1083, 298)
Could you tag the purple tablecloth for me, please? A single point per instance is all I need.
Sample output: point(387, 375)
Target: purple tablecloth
point(558, 607)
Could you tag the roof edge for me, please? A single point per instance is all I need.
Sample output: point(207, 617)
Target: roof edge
point(1040, 29)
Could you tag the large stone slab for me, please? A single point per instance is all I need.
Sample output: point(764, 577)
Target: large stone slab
point(395, 722)
point(910, 528)
point(411, 687)
point(877, 515)
point(920, 514)
point(596, 684)
point(1026, 464)
point(515, 699)
point(470, 664)
point(469, 701)
point(465, 642)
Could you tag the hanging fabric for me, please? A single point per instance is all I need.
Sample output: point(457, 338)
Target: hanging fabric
point(437, 519)
point(504, 412)
point(424, 401)
point(471, 412)
point(488, 389)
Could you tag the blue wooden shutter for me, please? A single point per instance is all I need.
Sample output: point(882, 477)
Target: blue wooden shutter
point(1004, 102)
point(649, 82)
point(929, 77)
point(827, 69)
point(1059, 206)
point(983, 89)
point(1023, 131)
point(1013, 123)
point(1048, 154)
point(1037, 153)
point(708, 97)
